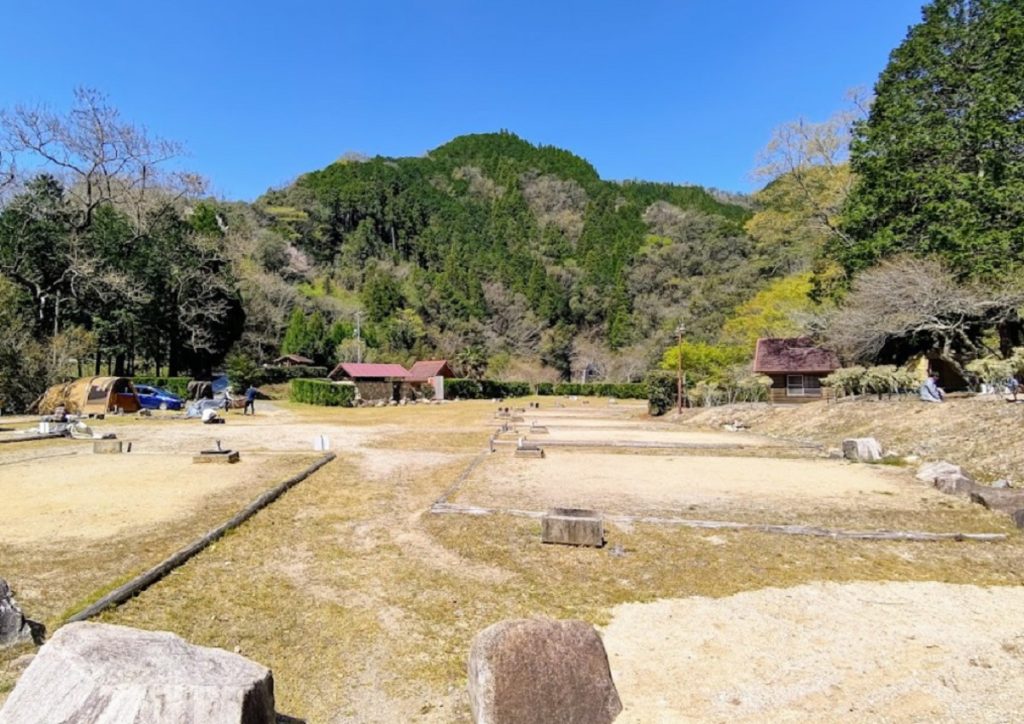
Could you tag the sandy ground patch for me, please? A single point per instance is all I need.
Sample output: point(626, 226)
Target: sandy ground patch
point(96, 496)
point(895, 652)
point(626, 483)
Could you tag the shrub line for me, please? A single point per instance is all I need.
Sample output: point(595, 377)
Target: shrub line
point(141, 582)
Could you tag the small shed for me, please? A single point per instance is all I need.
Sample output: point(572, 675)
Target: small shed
point(91, 396)
point(375, 382)
point(795, 366)
point(293, 360)
point(431, 373)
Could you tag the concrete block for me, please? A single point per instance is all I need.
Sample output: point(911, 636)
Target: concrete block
point(572, 526)
point(107, 447)
point(529, 452)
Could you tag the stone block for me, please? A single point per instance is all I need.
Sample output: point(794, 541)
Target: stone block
point(220, 456)
point(572, 526)
point(1018, 518)
point(107, 447)
point(529, 452)
point(94, 672)
point(862, 449)
point(538, 671)
point(1006, 500)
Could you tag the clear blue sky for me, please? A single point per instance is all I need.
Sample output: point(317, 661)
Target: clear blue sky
point(683, 91)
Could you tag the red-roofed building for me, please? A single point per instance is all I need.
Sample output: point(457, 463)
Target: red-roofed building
point(375, 382)
point(795, 365)
point(432, 373)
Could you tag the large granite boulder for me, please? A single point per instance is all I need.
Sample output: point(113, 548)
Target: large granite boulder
point(862, 449)
point(536, 671)
point(14, 627)
point(1006, 500)
point(94, 672)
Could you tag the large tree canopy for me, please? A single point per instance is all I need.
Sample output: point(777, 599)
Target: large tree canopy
point(939, 163)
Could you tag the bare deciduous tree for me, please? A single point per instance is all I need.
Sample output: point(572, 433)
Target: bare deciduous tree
point(917, 305)
point(100, 157)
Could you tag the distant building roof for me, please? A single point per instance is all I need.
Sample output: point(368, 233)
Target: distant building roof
point(425, 369)
point(793, 355)
point(366, 371)
point(295, 359)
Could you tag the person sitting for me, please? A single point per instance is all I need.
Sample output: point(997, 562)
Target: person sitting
point(930, 390)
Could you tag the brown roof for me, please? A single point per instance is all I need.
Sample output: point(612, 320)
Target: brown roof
point(794, 354)
point(425, 369)
point(296, 358)
point(365, 371)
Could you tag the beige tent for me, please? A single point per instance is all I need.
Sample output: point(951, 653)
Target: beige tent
point(91, 396)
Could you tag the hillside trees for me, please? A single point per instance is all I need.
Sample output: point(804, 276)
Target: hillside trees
point(940, 159)
point(96, 235)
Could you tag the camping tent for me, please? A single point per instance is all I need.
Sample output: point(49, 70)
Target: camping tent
point(90, 396)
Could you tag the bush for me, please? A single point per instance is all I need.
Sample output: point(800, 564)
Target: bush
point(880, 379)
point(175, 385)
point(242, 372)
point(321, 392)
point(466, 389)
point(273, 375)
point(620, 391)
point(661, 392)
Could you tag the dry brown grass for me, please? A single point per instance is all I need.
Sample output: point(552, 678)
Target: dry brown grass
point(364, 604)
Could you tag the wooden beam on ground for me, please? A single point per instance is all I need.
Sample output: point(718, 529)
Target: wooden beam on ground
point(883, 535)
point(122, 593)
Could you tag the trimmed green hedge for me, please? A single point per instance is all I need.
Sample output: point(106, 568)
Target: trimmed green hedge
point(620, 391)
point(484, 389)
point(321, 392)
point(175, 385)
point(274, 374)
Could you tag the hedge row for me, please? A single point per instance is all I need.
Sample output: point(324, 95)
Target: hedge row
point(484, 389)
point(273, 374)
point(321, 392)
point(175, 385)
point(620, 391)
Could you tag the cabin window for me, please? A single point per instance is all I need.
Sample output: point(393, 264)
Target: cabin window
point(794, 385)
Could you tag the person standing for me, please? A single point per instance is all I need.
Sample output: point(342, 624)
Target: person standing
point(250, 401)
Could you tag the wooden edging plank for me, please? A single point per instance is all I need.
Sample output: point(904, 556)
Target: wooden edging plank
point(886, 535)
point(141, 582)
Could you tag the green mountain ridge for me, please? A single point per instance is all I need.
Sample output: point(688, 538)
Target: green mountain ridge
point(514, 250)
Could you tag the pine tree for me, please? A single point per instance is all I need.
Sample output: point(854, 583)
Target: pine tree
point(940, 159)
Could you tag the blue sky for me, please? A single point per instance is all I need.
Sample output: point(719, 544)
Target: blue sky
point(683, 91)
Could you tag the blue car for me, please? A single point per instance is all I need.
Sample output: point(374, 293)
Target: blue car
point(153, 398)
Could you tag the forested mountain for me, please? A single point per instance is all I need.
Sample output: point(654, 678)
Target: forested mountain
point(506, 255)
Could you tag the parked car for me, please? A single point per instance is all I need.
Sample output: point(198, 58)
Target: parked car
point(154, 398)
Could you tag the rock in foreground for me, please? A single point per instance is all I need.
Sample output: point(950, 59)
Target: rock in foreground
point(535, 671)
point(93, 672)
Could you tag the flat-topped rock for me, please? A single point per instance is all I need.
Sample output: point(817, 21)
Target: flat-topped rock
point(94, 672)
point(572, 526)
point(537, 671)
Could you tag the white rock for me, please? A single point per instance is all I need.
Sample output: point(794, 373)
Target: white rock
point(862, 449)
point(94, 672)
point(928, 472)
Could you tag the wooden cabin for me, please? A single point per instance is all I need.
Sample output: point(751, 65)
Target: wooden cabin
point(795, 365)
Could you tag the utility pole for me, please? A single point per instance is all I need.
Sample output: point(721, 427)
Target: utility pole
point(359, 339)
point(679, 366)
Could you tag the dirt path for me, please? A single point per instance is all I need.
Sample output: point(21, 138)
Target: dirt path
point(894, 652)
